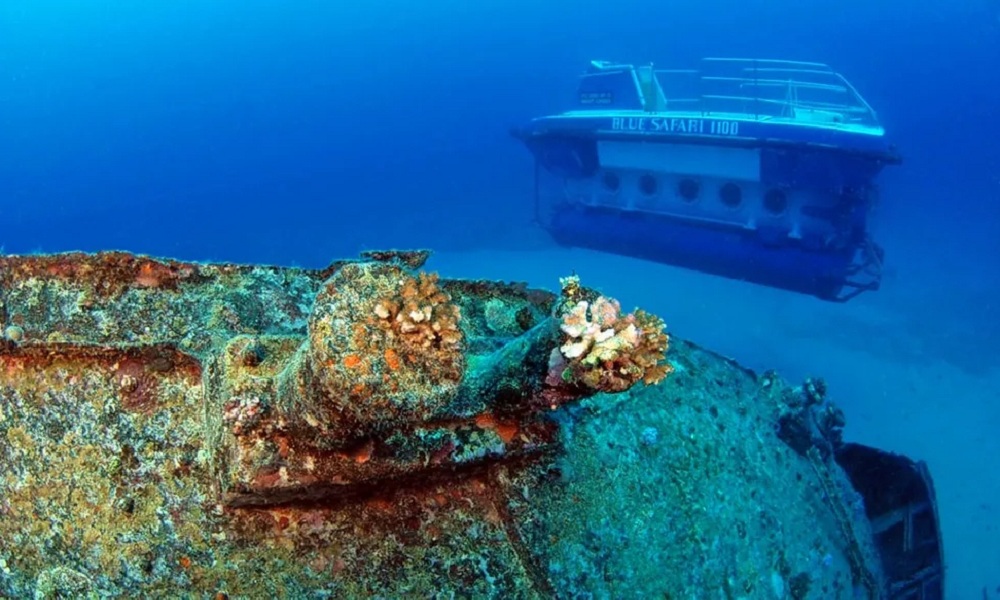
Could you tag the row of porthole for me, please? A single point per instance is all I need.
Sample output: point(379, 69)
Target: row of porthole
point(688, 189)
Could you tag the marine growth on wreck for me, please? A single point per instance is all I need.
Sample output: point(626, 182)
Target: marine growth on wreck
point(173, 429)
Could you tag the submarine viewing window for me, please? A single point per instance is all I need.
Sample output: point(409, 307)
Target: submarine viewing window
point(775, 201)
point(611, 182)
point(688, 189)
point(731, 195)
point(648, 185)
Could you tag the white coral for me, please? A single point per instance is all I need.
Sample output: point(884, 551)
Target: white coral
point(592, 335)
point(575, 322)
point(605, 312)
point(611, 346)
point(575, 349)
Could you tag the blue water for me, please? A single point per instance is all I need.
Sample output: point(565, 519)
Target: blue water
point(298, 132)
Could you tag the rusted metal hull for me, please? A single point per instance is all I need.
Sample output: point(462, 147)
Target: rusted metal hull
point(176, 429)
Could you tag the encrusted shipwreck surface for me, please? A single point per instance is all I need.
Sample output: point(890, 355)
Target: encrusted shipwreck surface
point(188, 430)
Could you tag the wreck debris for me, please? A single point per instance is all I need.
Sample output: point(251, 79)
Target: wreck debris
point(809, 421)
point(368, 429)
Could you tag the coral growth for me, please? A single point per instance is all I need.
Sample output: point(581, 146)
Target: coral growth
point(421, 316)
point(386, 344)
point(605, 350)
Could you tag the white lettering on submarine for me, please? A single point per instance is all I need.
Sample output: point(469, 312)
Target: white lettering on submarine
point(672, 125)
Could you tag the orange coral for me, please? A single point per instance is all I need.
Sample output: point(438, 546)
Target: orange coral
point(422, 317)
point(391, 359)
point(505, 430)
point(147, 276)
point(421, 314)
point(385, 346)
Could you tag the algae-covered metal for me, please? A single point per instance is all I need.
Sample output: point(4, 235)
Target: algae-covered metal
point(175, 429)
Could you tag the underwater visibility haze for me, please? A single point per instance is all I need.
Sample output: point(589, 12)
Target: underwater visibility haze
point(373, 430)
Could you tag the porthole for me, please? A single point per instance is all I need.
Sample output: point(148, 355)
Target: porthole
point(731, 195)
point(775, 201)
point(648, 185)
point(688, 189)
point(611, 182)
